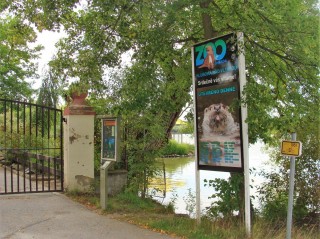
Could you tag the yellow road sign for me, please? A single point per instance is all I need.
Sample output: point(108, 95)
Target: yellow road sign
point(291, 148)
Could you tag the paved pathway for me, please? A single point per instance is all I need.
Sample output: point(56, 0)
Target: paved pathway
point(54, 216)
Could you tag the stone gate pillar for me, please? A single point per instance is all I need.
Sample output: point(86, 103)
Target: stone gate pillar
point(78, 144)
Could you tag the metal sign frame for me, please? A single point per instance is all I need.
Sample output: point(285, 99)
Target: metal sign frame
point(110, 139)
point(217, 88)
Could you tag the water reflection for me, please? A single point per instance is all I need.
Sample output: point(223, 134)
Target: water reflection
point(180, 178)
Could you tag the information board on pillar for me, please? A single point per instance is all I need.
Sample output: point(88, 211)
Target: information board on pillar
point(217, 95)
point(109, 134)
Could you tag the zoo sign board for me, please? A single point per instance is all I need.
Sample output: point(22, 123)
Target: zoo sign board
point(218, 113)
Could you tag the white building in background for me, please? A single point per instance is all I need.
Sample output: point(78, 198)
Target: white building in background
point(180, 137)
point(183, 138)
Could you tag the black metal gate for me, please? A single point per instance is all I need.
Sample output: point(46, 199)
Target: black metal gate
point(30, 148)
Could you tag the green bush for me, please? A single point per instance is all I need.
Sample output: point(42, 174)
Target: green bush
point(175, 148)
point(275, 209)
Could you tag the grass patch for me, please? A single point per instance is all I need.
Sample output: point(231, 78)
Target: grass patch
point(130, 203)
point(89, 199)
point(149, 214)
point(175, 148)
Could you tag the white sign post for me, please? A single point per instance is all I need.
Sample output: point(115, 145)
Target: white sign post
point(245, 138)
point(197, 172)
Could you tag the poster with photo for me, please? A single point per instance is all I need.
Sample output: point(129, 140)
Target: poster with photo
point(108, 139)
point(218, 112)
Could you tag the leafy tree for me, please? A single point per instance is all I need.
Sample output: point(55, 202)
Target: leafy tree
point(16, 57)
point(282, 65)
point(49, 91)
point(146, 93)
point(281, 48)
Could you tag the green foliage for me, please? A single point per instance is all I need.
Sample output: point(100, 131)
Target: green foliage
point(77, 88)
point(143, 135)
point(282, 91)
point(306, 199)
point(190, 200)
point(227, 199)
point(185, 128)
point(173, 200)
point(175, 148)
point(282, 54)
point(274, 200)
point(275, 209)
point(49, 91)
point(16, 57)
point(33, 137)
point(129, 201)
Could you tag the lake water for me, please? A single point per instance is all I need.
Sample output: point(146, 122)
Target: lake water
point(180, 179)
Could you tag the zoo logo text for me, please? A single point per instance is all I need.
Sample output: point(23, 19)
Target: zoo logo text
point(202, 53)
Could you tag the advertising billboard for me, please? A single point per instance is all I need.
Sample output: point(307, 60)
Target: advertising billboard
point(217, 104)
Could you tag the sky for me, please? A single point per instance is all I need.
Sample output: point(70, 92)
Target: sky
point(47, 39)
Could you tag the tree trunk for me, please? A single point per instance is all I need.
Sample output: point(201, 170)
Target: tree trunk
point(210, 32)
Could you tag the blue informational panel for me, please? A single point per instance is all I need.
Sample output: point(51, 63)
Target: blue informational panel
point(217, 97)
point(110, 139)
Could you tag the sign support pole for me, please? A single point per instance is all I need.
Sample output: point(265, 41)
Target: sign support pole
point(245, 137)
point(291, 189)
point(104, 184)
point(198, 211)
point(197, 172)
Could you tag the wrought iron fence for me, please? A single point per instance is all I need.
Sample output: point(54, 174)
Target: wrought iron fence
point(30, 148)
